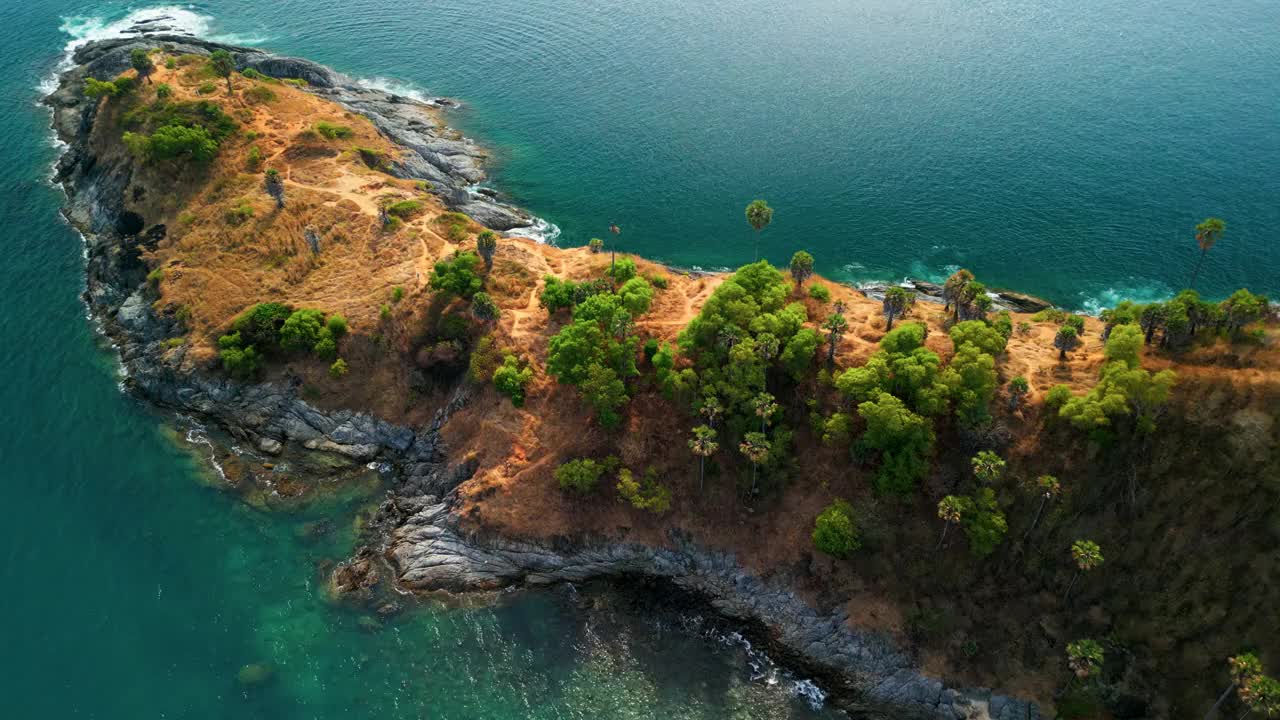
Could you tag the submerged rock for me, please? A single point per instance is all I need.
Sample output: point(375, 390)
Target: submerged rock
point(255, 675)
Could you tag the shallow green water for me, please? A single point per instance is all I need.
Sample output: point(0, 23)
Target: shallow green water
point(1062, 148)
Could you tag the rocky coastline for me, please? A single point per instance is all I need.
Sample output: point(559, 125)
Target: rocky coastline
point(418, 542)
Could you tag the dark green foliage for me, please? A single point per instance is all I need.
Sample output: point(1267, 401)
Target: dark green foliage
point(1066, 340)
point(397, 294)
point(484, 308)
point(897, 301)
point(511, 379)
point(140, 60)
point(337, 325)
point(1076, 322)
point(95, 88)
point(274, 185)
point(301, 330)
point(557, 294)
point(983, 522)
point(373, 158)
point(458, 275)
point(1003, 324)
point(326, 347)
point(579, 476)
point(658, 281)
point(647, 494)
point(253, 160)
point(834, 530)
point(452, 327)
point(636, 294)
point(241, 363)
point(596, 245)
point(1242, 308)
point(972, 378)
point(222, 64)
point(651, 347)
point(605, 393)
point(904, 440)
point(260, 325)
point(164, 91)
point(174, 142)
point(188, 131)
point(820, 292)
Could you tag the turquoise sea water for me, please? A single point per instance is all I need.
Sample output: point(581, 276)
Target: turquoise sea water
point(1062, 148)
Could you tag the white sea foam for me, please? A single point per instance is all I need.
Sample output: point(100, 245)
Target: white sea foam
point(397, 87)
point(1092, 302)
point(541, 231)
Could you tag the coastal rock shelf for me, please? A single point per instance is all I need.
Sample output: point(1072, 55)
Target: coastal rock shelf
point(425, 544)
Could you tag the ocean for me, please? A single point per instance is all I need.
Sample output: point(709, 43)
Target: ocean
point(1060, 148)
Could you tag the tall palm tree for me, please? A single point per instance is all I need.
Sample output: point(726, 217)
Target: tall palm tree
point(1242, 669)
point(759, 215)
point(835, 325)
point(1207, 233)
point(1088, 556)
point(950, 510)
point(756, 447)
point(1049, 488)
point(704, 445)
point(765, 407)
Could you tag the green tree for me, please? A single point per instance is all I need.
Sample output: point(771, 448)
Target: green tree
point(956, 292)
point(260, 325)
point(980, 335)
point(596, 245)
point(604, 392)
point(834, 530)
point(1208, 233)
point(223, 65)
point(904, 440)
point(1084, 657)
point(1242, 669)
point(241, 363)
point(511, 379)
point(983, 522)
point(487, 245)
point(755, 446)
point(897, 300)
point(274, 185)
point(704, 445)
point(458, 275)
point(338, 369)
point(759, 215)
point(1242, 308)
point(988, 467)
point(1124, 344)
point(801, 266)
point(301, 330)
point(647, 494)
point(1065, 341)
point(765, 407)
point(579, 476)
point(326, 347)
point(1087, 556)
point(140, 60)
point(174, 142)
point(636, 295)
point(96, 88)
point(950, 512)
point(972, 379)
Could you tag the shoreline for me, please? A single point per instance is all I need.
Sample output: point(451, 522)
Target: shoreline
point(424, 546)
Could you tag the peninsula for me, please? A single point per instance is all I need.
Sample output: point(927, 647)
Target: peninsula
point(981, 507)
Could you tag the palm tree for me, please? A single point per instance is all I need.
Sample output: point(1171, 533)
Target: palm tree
point(1207, 233)
point(711, 409)
point(950, 509)
point(835, 325)
point(1018, 389)
point(487, 245)
point(1242, 669)
point(1088, 556)
point(759, 215)
point(987, 467)
point(954, 289)
point(896, 302)
point(801, 267)
point(765, 407)
point(704, 445)
point(223, 65)
point(141, 61)
point(1049, 488)
point(1066, 339)
point(756, 447)
point(274, 186)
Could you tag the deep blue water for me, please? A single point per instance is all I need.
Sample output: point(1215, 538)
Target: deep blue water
point(1060, 147)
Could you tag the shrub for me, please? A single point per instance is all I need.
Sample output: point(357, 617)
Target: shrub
point(337, 325)
point(485, 359)
point(579, 476)
point(820, 292)
point(154, 277)
point(458, 275)
point(241, 363)
point(259, 95)
point(621, 270)
point(260, 325)
point(253, 74)
point(384, 312)
point(301, 330)
point(338, 369)
point(596, 245)
point(1057, 396)
point(239, 214)
point(650, 349)
point(636, 296)
point(207, 88)
point(254, 159)
point(397, 293)
point(648, 494)
point(404, 209)
point(326, 347)
point(1076, 322)
point(457, 233)
point(904, 439)
point(983, 336)
point(1024, 328)
point(658, 281)
point(173, 142)
point(511, 379)
point(334, 132)
point(164, 91)
point(295, 82)
point(983, 522)
point(834, 531)
point(484, 308)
